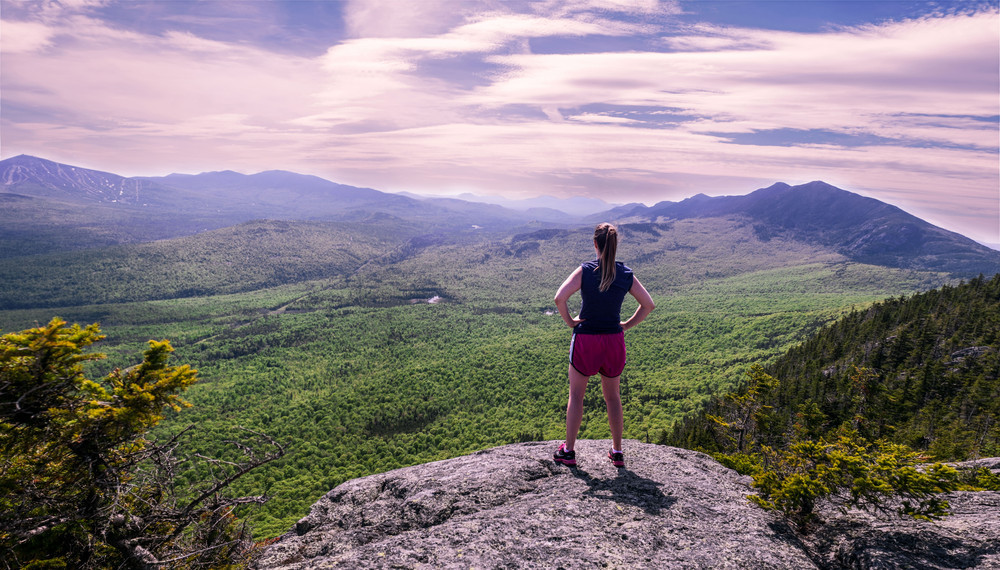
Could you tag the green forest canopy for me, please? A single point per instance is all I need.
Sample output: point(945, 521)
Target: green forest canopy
point(357, 373)
point(922, 371)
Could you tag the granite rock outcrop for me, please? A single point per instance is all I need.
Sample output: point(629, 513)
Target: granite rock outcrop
point(513, 507)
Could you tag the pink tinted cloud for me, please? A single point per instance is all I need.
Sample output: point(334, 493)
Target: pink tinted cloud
point(365, 112)
point(24, 37)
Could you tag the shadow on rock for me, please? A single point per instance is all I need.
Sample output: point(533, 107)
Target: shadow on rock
point(916, 545)
point(627, 488)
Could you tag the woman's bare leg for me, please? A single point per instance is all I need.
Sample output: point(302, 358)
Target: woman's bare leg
point(612, 398)
point(574, 409)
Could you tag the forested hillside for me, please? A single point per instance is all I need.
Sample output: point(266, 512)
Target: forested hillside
point(358, 372)
point(923, 371)
point(246, 257)
point(31, 226)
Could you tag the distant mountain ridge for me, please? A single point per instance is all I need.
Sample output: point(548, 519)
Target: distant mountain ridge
point(40, 177)
point(573, 206)
point(863, 229)
point(268, 180)
point(183, 204)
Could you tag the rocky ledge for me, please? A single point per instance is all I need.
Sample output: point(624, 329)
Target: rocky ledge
point(512, 507)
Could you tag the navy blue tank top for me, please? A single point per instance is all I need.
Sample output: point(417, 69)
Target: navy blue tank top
point(601, 312)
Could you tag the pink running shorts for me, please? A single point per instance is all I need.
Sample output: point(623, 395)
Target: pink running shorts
point(591, 354)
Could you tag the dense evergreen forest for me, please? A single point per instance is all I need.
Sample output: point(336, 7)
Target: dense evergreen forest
point(922, 371)
point(363, 350)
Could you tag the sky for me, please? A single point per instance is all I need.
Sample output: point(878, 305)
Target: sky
point(623, 100)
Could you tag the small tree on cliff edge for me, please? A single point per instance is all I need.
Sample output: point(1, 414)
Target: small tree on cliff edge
point(842, 466)
point(81, 485)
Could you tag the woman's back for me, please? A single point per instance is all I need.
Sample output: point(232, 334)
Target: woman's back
point(601, 310)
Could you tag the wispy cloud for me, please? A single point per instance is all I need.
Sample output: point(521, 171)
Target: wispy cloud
point(546, 97)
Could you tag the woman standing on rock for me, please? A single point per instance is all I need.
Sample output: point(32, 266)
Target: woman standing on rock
point(598, 345)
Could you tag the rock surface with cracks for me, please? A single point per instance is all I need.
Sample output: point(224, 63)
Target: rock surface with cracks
point(513, 507)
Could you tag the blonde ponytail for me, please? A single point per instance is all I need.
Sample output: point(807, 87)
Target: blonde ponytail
point(606, 238)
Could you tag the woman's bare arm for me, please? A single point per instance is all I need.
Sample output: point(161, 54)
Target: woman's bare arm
point(646, 304)
point(570, 285)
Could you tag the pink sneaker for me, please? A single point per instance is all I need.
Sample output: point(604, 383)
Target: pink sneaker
point(564, 457)
point(617, 459)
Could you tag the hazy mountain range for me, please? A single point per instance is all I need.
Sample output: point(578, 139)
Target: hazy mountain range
point(49, 206)
point(574, 206)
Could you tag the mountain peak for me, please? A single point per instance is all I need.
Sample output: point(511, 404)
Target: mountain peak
point(26, 160)
point(39, 177)
point(22, 158)
point(817, 186)
point(861, 228)
point(776, 186)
